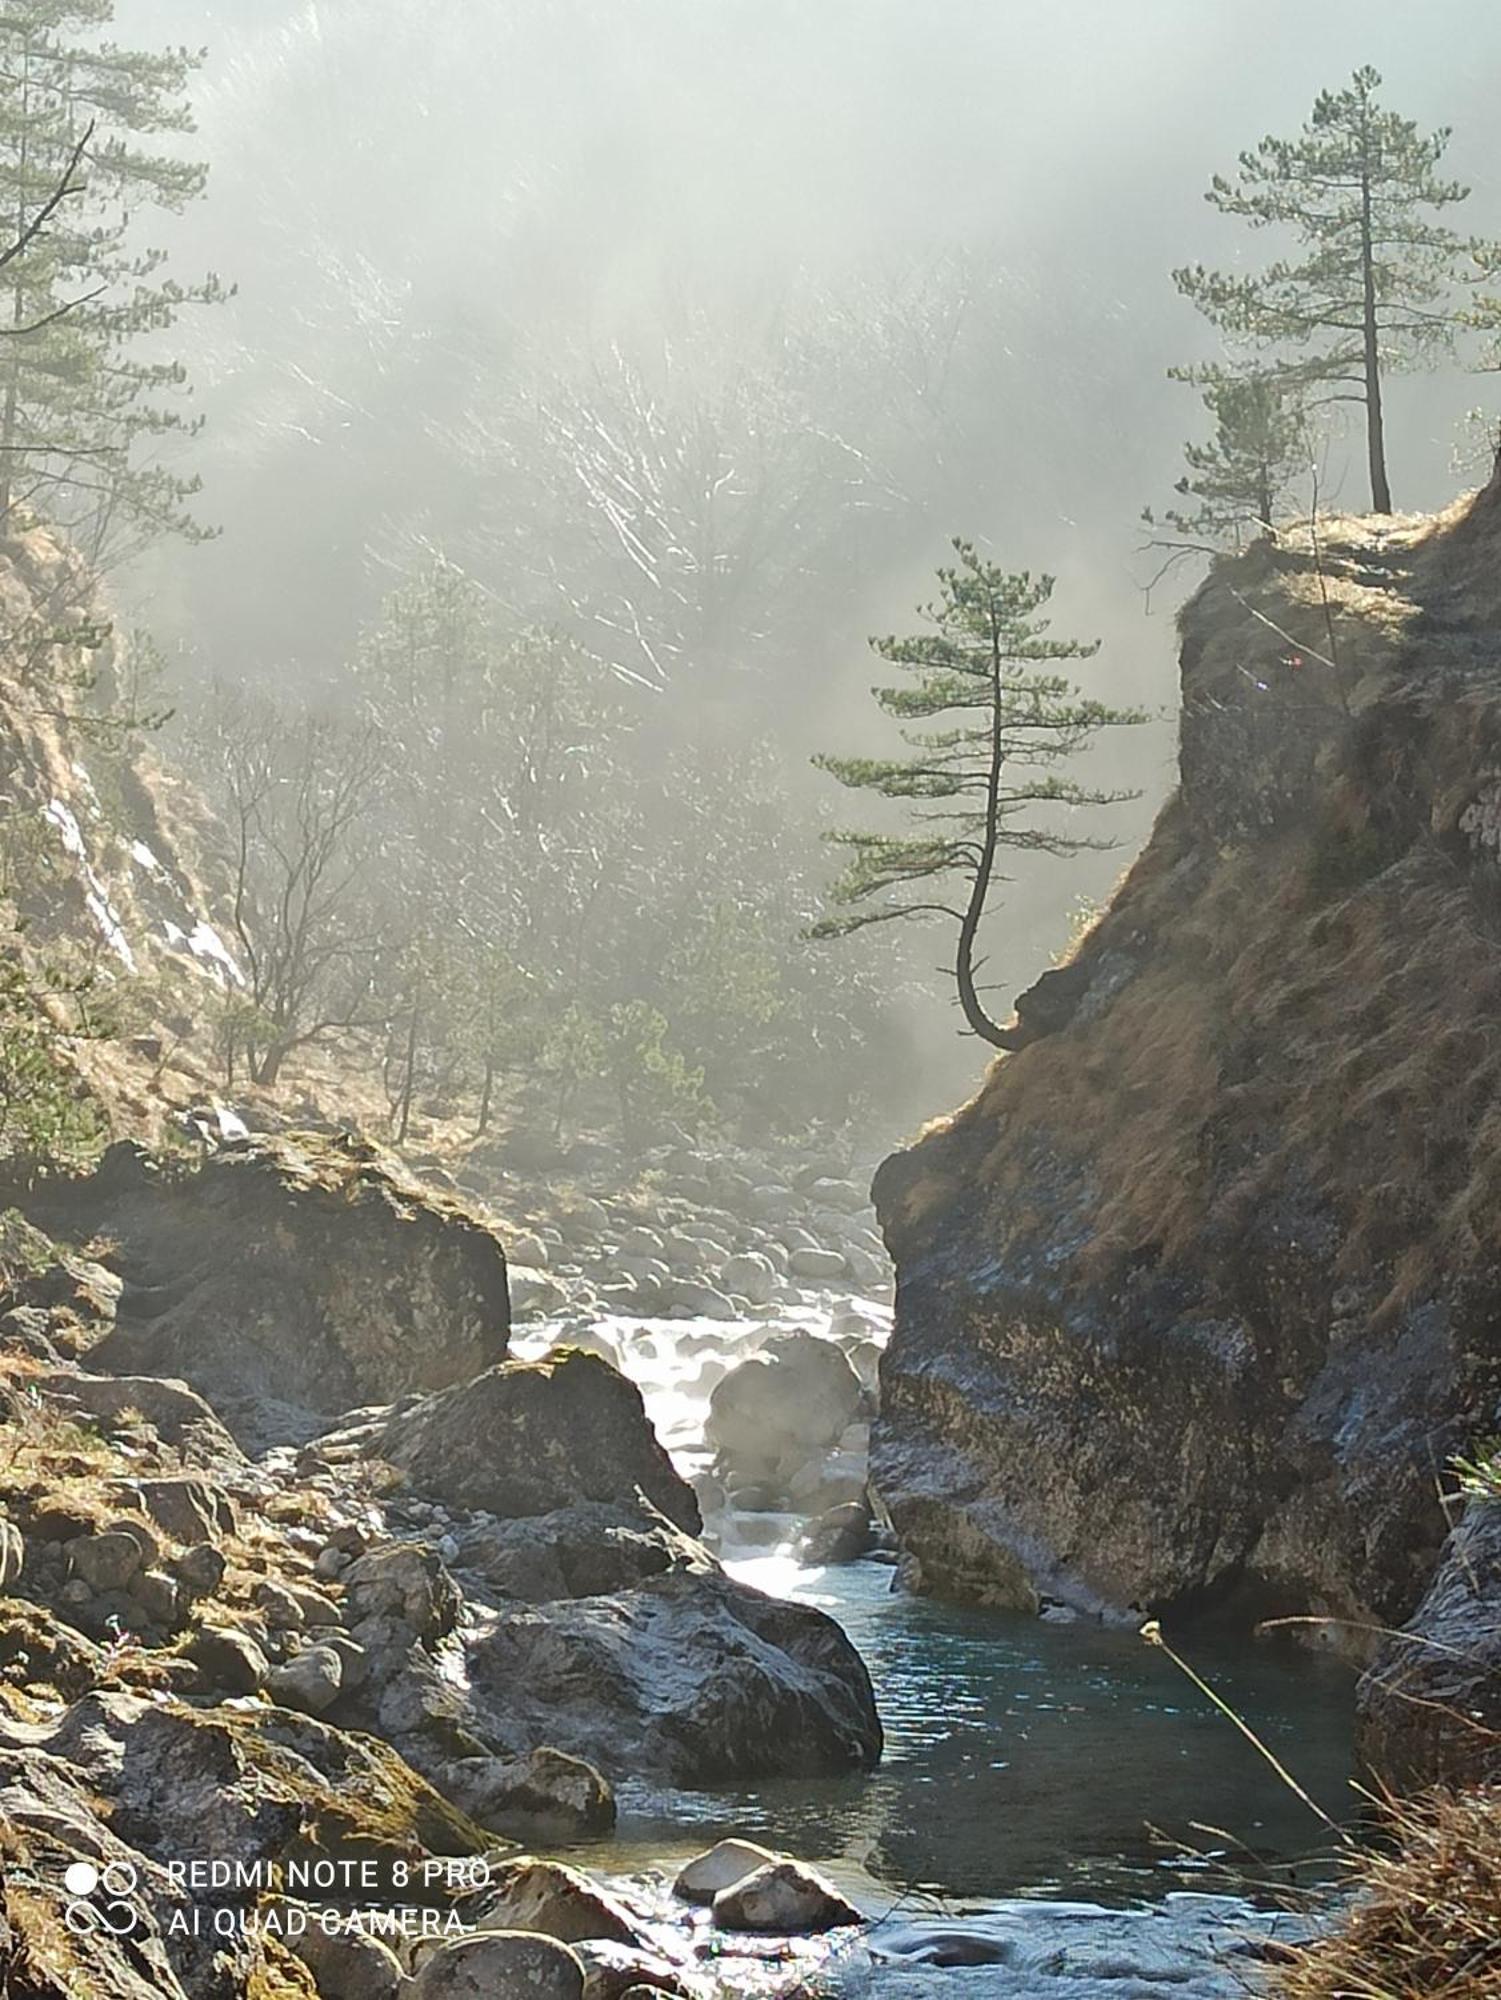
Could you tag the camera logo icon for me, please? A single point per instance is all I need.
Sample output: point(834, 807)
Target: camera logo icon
point(101, 1900)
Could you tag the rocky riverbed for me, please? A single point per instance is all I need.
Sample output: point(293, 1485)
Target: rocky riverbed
point(320, 1573)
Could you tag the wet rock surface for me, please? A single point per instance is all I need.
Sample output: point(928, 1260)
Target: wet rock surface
point(1428, 1709)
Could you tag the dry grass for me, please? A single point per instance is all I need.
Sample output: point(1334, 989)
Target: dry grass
point(1317, 1010)
point(1426, 1924)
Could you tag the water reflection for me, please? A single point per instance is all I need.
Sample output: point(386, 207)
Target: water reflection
point(1038, 1760)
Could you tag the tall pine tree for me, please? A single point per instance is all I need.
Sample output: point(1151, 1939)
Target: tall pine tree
point(83, 412)
point(1374, 283)
point(974, 787)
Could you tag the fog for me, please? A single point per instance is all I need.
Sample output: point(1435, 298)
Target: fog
point(901, 269)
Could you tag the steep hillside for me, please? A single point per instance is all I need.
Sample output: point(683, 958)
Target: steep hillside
point(100, 900)
point(1199, 1295)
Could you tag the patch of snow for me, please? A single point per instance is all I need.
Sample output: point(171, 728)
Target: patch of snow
point(204, 945)
point(96, 897)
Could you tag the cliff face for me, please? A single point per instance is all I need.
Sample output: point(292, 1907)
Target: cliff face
point(1198, 1295)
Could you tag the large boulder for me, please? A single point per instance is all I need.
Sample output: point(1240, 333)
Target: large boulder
point(493, 1965)
point(1428, 1709)
point(287, 1276)
point(529, 1437)
point(584, 1551)
point(783, 1406)
point(690, 1678)
point(784, 1897)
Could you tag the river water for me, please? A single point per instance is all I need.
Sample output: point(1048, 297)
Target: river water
point(1036, 1776)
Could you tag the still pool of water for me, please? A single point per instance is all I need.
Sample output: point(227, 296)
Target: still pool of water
point(1025, 1759)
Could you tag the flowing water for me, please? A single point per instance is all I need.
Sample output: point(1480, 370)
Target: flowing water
point(1053, 1770)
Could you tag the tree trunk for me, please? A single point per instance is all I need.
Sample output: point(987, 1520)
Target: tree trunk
point(409, 1070)
point(486, 1098)
point(1381, 492)
point(975, 1013)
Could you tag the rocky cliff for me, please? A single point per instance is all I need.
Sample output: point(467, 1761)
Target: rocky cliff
point(1200, 1293)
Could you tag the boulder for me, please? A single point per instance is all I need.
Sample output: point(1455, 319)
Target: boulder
point(546, 1896)
point(612, 1971)
point(1428, 1708)
point(528, 1250)
point(105, 1561)
point(720, 1867)
point(190, 1509)
point(158, 1595)
point(346, 1964)
point(494, 1965)
point(528, 1438)
point(691, 1678)
point(786, 1898)
point(818, 1266)
point(750, 1276)
point(535, 1294)
point(583, 1551)
point(843, 1535)
point(544, 1795)
point(298, 1275)
point(310, 1681)
point(784, 1404)
point(199, 1571)
point(178, 1415)
point(406, 1584)
point(228, 1659)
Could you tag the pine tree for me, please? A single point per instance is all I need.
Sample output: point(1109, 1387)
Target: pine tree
point(971, 787)
point(1240, 477)
point(81, 411)
point(1373, 286)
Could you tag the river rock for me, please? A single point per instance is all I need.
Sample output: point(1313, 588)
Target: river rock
point(843, 1535)
point(690, 1678)
point(1428, 1709)
point(818, 1266)
point(529, 1250)
point(774, 1411)
point(405, 1583)
point(545, 1795)
point(347, 1964)
point(494, 1965)
point(615, 1971)
point(228, 1659)
point(546, 1896)
point(310, 1681)
point(750, 1276)
point(785, 1897)
point(531, 1437)
point(299, 1275)
point(535, 1294)
point(105, 1561)
point(720, 1867)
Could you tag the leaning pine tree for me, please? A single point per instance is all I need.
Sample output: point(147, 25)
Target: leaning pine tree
point(979, 786)
point(1375, 282)
point(82, 411)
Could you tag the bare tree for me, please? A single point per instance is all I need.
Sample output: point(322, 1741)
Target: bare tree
point(298, 805)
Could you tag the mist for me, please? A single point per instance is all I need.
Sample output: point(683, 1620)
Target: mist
point(934, 242)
